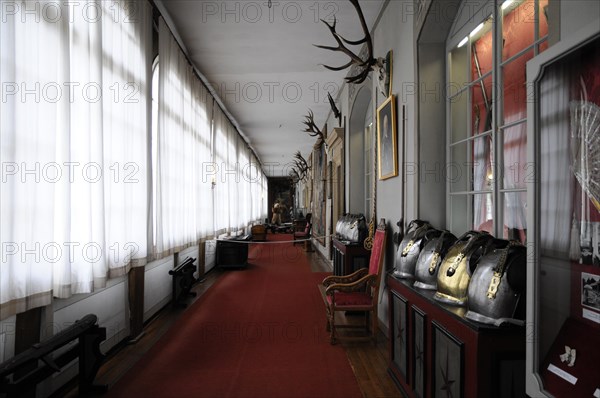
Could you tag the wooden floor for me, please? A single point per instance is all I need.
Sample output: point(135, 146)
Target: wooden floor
point(369, 361)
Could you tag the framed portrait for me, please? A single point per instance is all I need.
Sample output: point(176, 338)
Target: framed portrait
point(387, 155)
point(448, 362)
point(400, 334)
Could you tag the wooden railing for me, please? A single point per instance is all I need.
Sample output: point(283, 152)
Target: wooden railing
point(20, 375)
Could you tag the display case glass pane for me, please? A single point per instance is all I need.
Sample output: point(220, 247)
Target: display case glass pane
point(480, 40)
point(460, 214)
point(459, 57)
point(514, 89)
point(457, 171)
point(516, 171)
point(483, 212)
point(543, 19)
point(458, 116)
point(518, 26)
point(482, 163)
point(515, 220)
point(569, 223)
point(481, 105)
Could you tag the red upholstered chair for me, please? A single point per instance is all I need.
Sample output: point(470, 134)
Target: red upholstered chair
point(305, 233)
point(356, 292)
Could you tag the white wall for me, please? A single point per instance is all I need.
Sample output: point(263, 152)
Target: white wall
point(395, 32)
point(575, 14)
point(157, 286)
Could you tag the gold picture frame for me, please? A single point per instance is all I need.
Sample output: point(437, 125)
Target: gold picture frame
point(387, 133)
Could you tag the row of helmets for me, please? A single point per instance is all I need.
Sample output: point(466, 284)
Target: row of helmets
point(476, 270)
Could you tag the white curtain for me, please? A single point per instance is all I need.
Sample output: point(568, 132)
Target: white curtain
point(74, 143)
point(182, 190)
point(221, 162)
point(555, 179)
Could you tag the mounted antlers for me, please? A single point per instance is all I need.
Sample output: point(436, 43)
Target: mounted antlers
point(311, 127)
point(366, 65)
point(299, 171)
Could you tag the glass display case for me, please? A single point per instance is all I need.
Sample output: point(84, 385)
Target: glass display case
point(487, 108)
point(563, 146)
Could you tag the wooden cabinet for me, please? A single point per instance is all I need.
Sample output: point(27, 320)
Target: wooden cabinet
point(436, 352)
point(349, 257)
point(232, 252)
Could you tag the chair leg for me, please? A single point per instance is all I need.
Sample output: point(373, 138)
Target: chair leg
point(331, 329)
point(374, 325)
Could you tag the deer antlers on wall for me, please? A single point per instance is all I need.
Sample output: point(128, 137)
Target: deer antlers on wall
point(311, 127)
point(366, 65)
point(300, 170)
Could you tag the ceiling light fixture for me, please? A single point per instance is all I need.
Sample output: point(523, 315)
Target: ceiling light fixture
point(463, 41)
point(477, 29)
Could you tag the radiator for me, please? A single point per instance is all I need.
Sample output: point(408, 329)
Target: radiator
point(210, 255)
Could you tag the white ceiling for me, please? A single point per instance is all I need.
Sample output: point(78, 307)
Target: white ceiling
point(262, 64)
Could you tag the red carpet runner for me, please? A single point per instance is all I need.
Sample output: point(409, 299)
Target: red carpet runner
point(258, 332)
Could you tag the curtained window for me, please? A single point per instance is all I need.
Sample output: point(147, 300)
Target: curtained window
point(104, 167)
point(74, 194)
point(182, 193)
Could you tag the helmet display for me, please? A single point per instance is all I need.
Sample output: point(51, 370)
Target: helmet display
point(352, 228)
point(455, 271)
point(498, 284)
point(409, 249)
point(431, 257)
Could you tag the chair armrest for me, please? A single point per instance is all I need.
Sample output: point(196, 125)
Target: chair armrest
point(355, 286)
point(345, 278)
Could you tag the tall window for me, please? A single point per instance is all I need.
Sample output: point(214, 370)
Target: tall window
point(487, 169)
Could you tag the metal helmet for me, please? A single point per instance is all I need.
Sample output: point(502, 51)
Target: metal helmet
point(431, 257)
point(409, 249)
point(497, 285)
point(455, 271)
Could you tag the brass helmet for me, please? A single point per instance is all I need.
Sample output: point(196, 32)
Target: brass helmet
point(431, 257)
point(455, 271)
point(409, 249)
point(498, 284)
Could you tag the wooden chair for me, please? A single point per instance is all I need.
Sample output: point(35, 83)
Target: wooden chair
point(259, 233)
point(305, 232)
point(357, 292)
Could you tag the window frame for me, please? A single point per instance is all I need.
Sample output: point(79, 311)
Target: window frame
point(497, 189)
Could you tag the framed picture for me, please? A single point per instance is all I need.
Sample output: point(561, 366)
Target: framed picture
point(418, 356)
point(387, 155)
point(448, 363)
point(400, 334)
point(590, 291)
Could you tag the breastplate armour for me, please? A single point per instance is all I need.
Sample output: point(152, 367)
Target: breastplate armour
point(497, 285)
point(430, 259)
point(455, 271)
point(409, 249)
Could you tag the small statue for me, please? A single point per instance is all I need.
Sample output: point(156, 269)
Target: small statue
point(278, 209)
